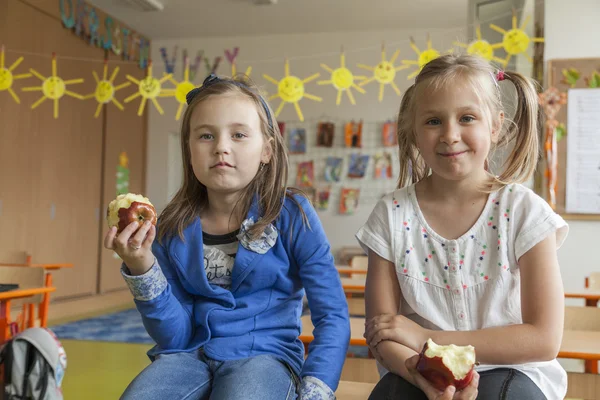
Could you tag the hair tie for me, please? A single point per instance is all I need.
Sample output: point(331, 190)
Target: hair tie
point(212, 79)
point(500, 75)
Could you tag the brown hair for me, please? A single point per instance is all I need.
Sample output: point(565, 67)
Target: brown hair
point(269, 184)
point(523, 129)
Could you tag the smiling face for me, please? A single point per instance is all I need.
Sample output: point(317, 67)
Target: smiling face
point(481, 48)
point(453, 130)
point(149, 87)
point(385, 72)
point(342, 78)
point(291, 89)
point(53, 88)
point(515, 41)
point(104, 92)
point(6, 79)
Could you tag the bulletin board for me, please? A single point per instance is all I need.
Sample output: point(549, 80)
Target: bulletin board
point(556, 78)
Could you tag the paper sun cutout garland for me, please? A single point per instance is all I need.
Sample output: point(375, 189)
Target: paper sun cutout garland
point(423, 57)
point(515, 41)
point(342, 79)
point(181, 89)
point(384, 73)
point(105, 89)
point(53, 87)
point(149, 89)
point(481, 47)
point(7, 78)
point(291, 90)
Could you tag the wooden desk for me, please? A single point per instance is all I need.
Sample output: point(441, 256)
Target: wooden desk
point(581, 345)
point(49, 266)
point(592, 297)
point(350, 270)
point(6, 297)
point(356, 284)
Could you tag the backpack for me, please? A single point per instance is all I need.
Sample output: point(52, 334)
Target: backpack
point(34, 363)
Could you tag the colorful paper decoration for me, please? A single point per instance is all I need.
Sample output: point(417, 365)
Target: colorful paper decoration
point(358, 165)
point(593, 82)
point(297, 143)
point(181, 89)
point(342, 79)
point(333, 169)
point(322, 198)
point(389, 135)
point(231, 58)
point(516, 41)
point(423, 57)
point(481, 47)
point(384, 73)
point(193, 66)
point(383, 165)
point(123, 174)
point(353, 134)
point(53, 87)
point(570, 76)
point(215, 66)
point(551, 101)
point(7, 78)
point(349, 201)
point(290, 89)
point(105, 89)
point(305, 176)
point(149, 88)
point(169, 65)
point(325, 133)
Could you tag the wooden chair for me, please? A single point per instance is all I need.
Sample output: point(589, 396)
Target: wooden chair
point(583, 319)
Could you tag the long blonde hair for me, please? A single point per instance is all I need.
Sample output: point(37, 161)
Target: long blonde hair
point(522, 130)
point(269, 185)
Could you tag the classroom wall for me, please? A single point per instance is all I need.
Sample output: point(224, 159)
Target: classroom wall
point(58, 175)
point(572, 30)
point(265, 55)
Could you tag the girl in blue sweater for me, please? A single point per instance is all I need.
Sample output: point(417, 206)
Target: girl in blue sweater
point(220, 290)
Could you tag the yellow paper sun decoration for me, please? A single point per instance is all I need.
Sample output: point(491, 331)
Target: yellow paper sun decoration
point(423, 57)
point(481, 47)
point(53, 87)
point(515, 41)
point(181, 89)
point(342, 79)
point(149, 88)
point(290, 89)
point(105, 89)
point(7, 78)
point(384, 73)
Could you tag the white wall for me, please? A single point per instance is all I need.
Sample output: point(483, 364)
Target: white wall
point(571, 31)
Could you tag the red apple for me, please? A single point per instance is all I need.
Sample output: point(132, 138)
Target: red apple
point(127, 208)
point(448, 365)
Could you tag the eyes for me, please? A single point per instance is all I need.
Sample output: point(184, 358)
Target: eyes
point(465, 119)
point(210, 136)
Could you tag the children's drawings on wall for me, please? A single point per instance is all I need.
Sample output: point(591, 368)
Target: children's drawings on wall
point(297, 143)
point(349, 201)
point(358, 165)
point(353, 134)
point(389, 134)
point(322, 200)
point(333, 169)
point(383, 165)
point(325, 133)
point(305, 175)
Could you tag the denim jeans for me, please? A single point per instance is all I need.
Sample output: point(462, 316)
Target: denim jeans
point(194, 376)
point(495, 384)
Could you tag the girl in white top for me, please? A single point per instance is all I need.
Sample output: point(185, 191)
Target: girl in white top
point(460, 255)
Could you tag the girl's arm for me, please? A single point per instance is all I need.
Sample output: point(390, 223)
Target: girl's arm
point(539, 337)
point(328, 307)
point(165, 306)
point(382, 296)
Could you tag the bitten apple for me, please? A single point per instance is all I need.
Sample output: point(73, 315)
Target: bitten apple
point(448, 365)
point(127, 208)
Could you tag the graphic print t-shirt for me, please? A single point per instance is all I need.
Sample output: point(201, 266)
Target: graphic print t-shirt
point(219, 256)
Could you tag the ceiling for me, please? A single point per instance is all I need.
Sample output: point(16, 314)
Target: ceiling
point(203, 18)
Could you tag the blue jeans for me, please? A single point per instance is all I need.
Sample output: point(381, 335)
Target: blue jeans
point(194, 376)
point(499, 383)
